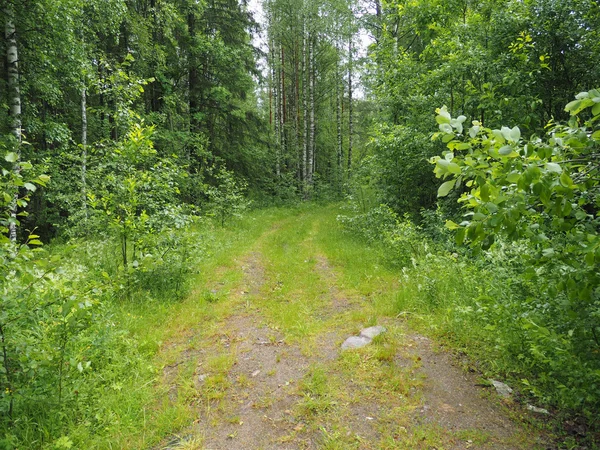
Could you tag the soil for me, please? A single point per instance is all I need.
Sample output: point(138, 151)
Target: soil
point(258, 409)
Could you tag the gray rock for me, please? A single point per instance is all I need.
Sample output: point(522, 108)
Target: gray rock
point(372, 332)
point(355, 342)
point(535, 409)
point(502, 389)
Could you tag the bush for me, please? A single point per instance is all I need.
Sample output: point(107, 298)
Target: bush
point(514, 325)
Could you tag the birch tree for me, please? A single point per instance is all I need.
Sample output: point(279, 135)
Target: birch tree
point(14, 98)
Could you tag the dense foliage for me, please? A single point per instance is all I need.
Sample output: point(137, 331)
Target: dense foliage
point(519, 195)
point(124, 123)
point(544, 193)
point(498, 62)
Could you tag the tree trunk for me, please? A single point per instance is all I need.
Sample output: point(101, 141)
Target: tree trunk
point(338, 111)
point(350, 108)
point(14, 99)
point(297, 139)
point(276, 101)
point(193, 76)
point(305, 89)
point(84, 130)
point(312, 126)
point(283, 146)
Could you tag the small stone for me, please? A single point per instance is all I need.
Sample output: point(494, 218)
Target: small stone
point(372, 332)
point(535, 409)
point(202, 377)
point(255, 373)
point(502, 389)
point(355, 342)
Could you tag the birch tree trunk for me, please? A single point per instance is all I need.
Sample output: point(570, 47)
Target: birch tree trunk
point(350, 106)
point(305, 89)
point(84, 130)
point(282, 105)
point(296, 108)
point(338, 111)
point(312, 126)
point(14, 98)
point(276, 101)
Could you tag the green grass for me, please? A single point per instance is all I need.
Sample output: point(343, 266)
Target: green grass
point(315, 280)
point(135, 411)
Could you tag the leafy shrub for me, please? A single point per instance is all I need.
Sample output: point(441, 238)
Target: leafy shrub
point(401, 170)
point(227, 199)
point(62, 352)
point(401, 239)
point(543, 191)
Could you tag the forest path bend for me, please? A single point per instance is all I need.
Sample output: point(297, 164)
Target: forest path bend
point(269, 372)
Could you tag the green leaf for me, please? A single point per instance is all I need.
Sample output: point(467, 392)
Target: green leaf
point(553, 167)
point(29, 187)
point(505, 131)
point(455, 123)
point(452, 225)
point(11, 157)
point(443, 115)
point(43, 179)
point(576, 106)
point(446, 128)
point(513, 177)
point(442, 119)
point(566, 180)
point(484, 192)
point(548, 252)
point(573, 106)
point(447, 138)
point(596, 109)
point(506, 150)
point(454, 168)
point(445, 188)
point(460, 236)
point(515, 134)
point(499, 136)
point(590, 259)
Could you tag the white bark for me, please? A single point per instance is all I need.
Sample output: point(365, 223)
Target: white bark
point(14, 96)
point(305, 89)
point(276, 101)
point(312, 126)
point(350, 106)
point(282, 105)
point(338, 110)
point(84, 130)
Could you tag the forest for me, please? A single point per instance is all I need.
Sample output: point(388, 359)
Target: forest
point(448, 150)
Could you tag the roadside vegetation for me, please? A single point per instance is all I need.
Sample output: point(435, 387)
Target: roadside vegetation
point(144, 146)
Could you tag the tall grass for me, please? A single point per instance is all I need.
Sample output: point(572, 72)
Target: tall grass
point(487, 304)
point(113, 393)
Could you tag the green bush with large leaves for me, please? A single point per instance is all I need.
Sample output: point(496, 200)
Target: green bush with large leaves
point(543, 191)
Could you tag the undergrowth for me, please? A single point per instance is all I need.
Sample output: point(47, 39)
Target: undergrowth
point(488, 306)
point(88, 374)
